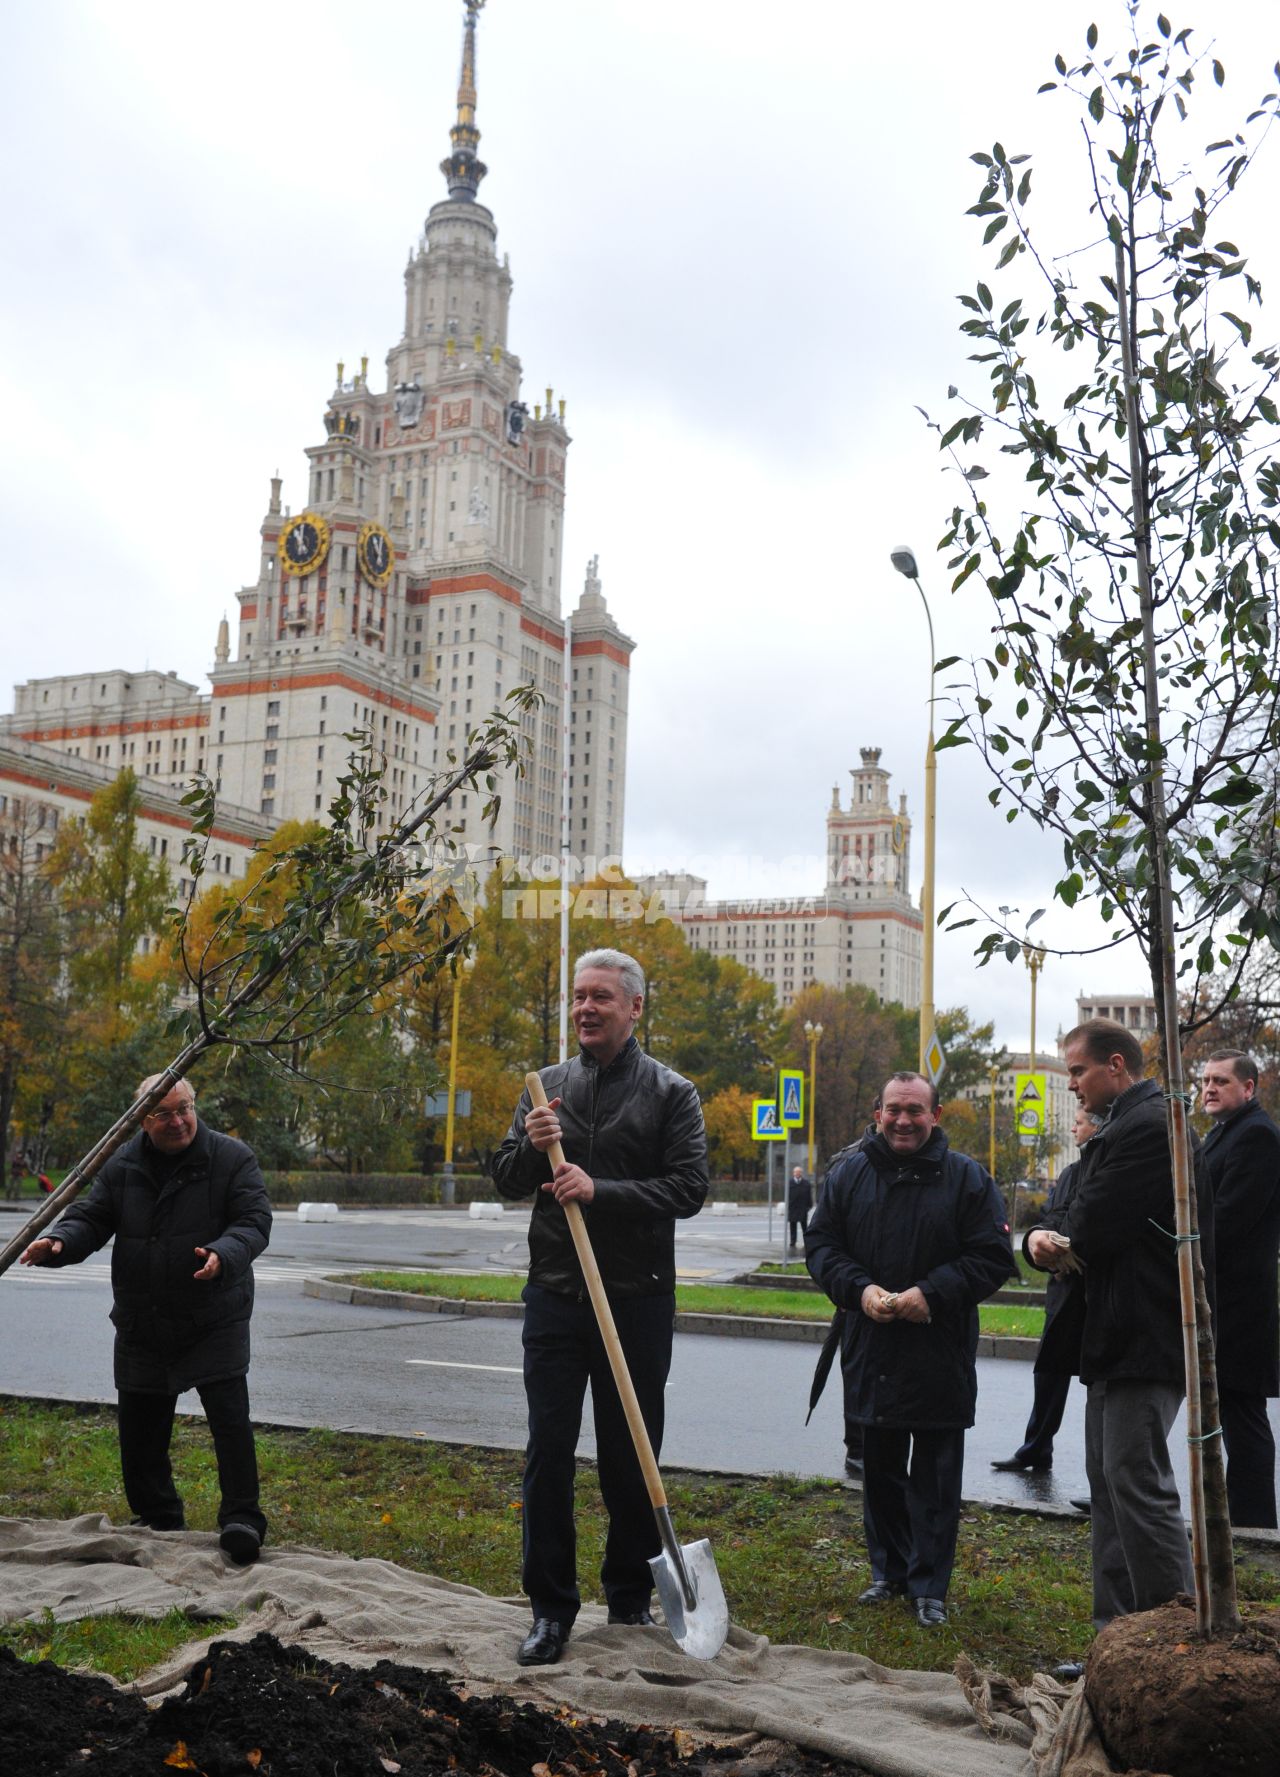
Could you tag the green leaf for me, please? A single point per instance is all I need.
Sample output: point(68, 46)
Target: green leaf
point(984, 297)
point(993, 229)
point(1096, 104)
point(1219, 73)
point(1091, 37)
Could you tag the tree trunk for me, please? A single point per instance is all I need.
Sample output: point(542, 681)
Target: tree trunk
point(1216, 1604)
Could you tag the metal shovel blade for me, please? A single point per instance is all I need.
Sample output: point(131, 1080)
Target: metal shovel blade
point(689, 1572)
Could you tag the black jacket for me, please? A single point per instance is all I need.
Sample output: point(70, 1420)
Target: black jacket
point(1058, 1352)
point(1242, 1158)
point(1121, 1224)
point(636, 1128)
point(172, 1332)
point(799, 1195)
point(935, 1219)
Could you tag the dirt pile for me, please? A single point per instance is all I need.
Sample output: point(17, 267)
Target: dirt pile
point(1168, 1702)
point(280, 1712)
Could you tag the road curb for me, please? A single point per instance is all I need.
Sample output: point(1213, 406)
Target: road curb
point(724, 1326)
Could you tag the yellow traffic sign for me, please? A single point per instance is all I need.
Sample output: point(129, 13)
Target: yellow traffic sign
point(764, 1121)
point(1029, 1103)
point(790, 1097)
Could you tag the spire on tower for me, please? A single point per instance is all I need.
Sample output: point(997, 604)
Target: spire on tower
point(463, 169)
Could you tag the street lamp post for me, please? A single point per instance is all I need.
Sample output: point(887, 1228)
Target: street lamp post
point(993, 1074)
point(904, 561)
point(1034, 960)
point(814, 1034)
point(446, 1182)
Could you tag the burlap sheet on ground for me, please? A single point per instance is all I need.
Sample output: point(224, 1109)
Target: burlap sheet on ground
point(895, 1724)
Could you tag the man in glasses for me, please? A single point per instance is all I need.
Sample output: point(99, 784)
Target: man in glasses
point(189, 1213)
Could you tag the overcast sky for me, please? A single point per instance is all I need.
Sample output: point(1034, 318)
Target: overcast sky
point(737, 232)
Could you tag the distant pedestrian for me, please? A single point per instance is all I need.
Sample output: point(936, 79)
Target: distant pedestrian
point(799, 1205)
point(1242, 1155)
point(909, 1238)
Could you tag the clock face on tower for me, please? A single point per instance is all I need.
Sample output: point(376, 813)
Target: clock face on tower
point(375, 555)
point(303, 545)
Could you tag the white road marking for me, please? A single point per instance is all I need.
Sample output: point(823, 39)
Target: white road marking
point(439, 1363)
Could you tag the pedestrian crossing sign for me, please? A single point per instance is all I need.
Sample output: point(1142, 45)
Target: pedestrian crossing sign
point(790, 1097)
point(1029, 1103)
point(764, 1121)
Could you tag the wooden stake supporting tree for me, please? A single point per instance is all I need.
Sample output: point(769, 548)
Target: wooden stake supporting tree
point(1131, 701)
point(326, 928)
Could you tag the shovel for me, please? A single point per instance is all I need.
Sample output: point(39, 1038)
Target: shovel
point(688, 1586)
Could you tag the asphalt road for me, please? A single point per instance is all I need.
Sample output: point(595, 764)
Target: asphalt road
point(733, 1405)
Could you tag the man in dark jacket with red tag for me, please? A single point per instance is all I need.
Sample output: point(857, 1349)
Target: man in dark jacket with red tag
point(909, 1238)
point(1242, 1157)
point(635, 1162)
point(1120, 1225)
point(189, 1213)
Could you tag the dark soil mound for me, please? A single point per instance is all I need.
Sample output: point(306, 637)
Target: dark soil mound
point(257, 1706)
point(1166, 1701)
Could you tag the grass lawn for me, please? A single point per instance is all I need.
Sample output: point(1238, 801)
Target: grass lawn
point(693, 1298)
point(790, 1553)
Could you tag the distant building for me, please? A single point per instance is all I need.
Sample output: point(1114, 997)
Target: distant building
point(858, 928)
point(1136, 1011)
point(416, 585)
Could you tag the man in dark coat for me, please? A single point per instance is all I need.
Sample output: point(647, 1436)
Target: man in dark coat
point(189, 1213)
point(1120, 1224)
point(1242, 1156)
point(635, 1162)
point(909, 1238)
point(1058, 1353)
point(799, 1204)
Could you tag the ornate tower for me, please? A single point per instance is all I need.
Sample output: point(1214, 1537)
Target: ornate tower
point(421, 580)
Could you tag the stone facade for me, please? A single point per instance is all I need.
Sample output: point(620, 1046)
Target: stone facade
point(861, 928)
point(414, 588)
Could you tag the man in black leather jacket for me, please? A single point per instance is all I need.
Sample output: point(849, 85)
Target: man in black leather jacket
point(189, 1213)
point(635, 1161)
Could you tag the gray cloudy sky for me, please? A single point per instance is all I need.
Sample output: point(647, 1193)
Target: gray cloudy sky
point(736, 229)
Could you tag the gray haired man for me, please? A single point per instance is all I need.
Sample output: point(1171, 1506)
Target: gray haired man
point(635, 1162)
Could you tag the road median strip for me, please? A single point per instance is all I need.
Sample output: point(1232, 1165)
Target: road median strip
point(725, 1326)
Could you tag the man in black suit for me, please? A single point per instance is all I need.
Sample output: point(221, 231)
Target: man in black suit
point(1242, 1154)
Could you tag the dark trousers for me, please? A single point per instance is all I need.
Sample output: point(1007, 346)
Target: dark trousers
point(1250, 1445)
point(1049, 1403)
point(911, 1506)
point(563, 1351)
point(146, 1427)
point(796, 1226)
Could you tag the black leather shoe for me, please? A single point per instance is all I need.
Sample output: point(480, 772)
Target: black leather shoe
point(1069, 1671)
point(1014, 1465)
point(241, 1542)
point(1082, 1505)
point(853, 1467)
point(157, 1524)
point(634, 1619)
point(880, 1592)
point(931, 1613)
point(544, 1643)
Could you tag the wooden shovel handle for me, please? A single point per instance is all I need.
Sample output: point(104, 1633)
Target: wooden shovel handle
point(608, 1331)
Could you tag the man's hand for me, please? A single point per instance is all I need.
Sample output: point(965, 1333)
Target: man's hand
point(542, 1126)
point(570, 1185)
point(212, 1266)
point(1045, 1253)
point(879, 1304)
point(912, 1305)
point(40, 1252)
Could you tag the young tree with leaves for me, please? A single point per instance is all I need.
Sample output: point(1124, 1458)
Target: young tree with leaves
point(1130, 703)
